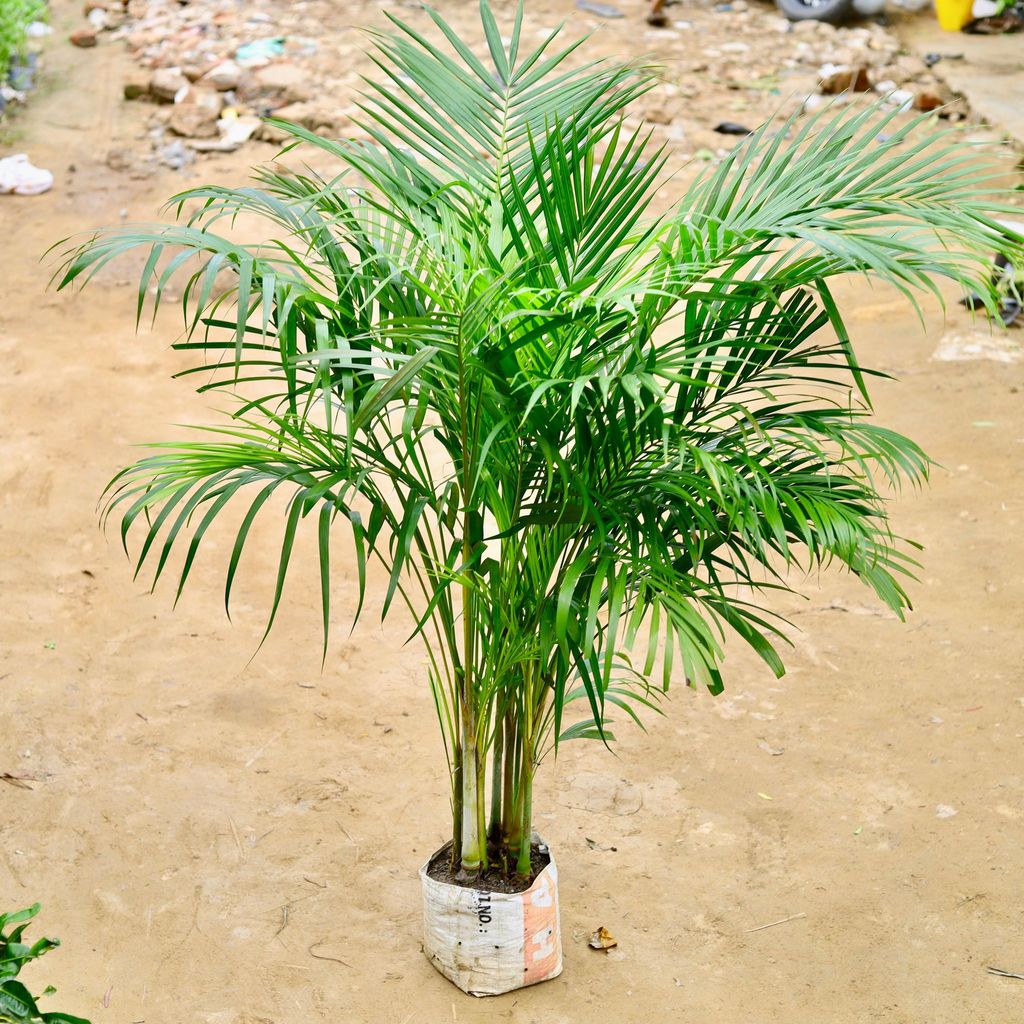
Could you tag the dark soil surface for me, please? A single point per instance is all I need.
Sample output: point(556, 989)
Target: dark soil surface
point(492, 880)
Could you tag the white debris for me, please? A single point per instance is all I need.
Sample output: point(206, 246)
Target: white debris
point(21, 178)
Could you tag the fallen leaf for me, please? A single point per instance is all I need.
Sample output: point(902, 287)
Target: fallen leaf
point(764, 796)
point(14, 780)
point(602, 939)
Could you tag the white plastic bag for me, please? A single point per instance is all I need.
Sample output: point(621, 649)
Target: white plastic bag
point(493, 942)
point(19, 176)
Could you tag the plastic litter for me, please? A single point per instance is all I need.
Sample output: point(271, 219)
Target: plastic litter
point(601, 10)
point(259, 52)
point(234, 130)
point(23, 71)
point(18, 176)
point(489, 943)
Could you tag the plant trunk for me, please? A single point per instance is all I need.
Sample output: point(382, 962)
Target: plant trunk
point(514, 829)
point(474, 853)
point(494, 829)
point(457, 806)
point(526, 815)
point(508, 796)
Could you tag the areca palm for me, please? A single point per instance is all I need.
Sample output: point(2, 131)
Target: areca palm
point(568, 426)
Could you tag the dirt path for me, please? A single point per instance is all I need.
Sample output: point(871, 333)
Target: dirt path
point(229, 843)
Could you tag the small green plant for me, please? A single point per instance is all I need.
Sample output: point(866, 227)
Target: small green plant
point(17, 1004)
point(15, 17)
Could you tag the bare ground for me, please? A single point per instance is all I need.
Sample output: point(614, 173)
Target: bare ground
point(230, 842)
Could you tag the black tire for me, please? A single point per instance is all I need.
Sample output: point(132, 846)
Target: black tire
point(834, 11)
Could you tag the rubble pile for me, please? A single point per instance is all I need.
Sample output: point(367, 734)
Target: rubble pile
point(749, 49)
point(213, 69)
point(870, 59)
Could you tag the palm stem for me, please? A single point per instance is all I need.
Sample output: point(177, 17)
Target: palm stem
point(509, 776)
point(497, 763)
point(526, 812)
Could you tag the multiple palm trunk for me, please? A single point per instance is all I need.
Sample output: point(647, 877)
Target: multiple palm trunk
point(494, 830)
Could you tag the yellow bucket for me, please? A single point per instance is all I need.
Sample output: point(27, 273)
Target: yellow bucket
point(953, 14)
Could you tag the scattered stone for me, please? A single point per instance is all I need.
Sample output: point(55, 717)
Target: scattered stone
point(282, 81)
point(83, 37)
point(224, 76)
point(659, 115)
point(955, 110)
point(731, 128)
point(175, 155)
point(264, 57)
point(907, 69)
point(270, 133)
point(931, 96)
point(166, 83)
point(136, 86)
point(297, 113)
point(120, 159)
point(843, 79)
point(99, 18)
point(193, 72)
point(196, 114)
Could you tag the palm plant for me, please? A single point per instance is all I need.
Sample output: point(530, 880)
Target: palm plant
point(566, 426)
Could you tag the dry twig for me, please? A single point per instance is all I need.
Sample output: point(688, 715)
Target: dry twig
point(772, 924)
point(999, 973)
point(333, 959)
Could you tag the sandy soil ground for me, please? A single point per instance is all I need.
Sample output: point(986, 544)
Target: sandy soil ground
point(229, 842)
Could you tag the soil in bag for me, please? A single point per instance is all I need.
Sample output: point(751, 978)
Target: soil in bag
point(491, 880)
